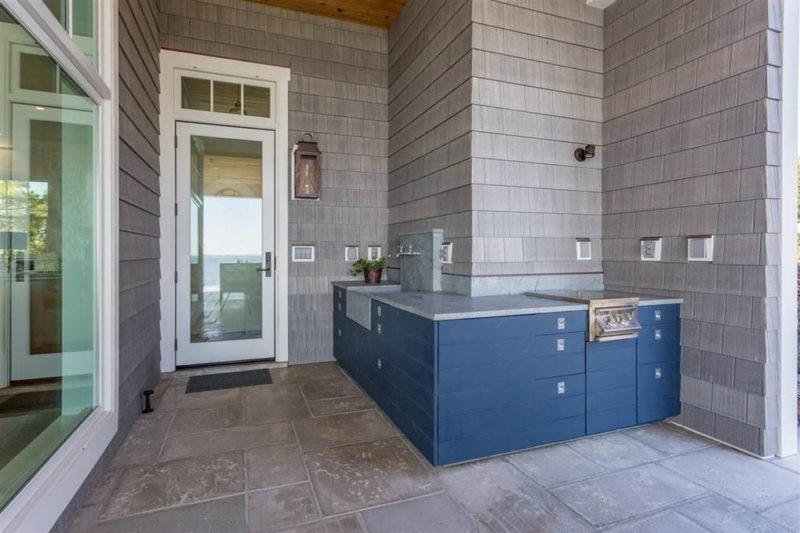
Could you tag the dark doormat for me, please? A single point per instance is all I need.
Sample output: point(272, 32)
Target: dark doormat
point(228, 380)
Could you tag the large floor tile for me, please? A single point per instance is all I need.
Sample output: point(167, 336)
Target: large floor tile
point(298, 373)
point(501, 498)
point(356, 476)
point(437, 513)
point(342, 524)
point(237, 438)
point(175, 398)
point(335, 430)
point(208, 419)
point(270, 466)
point(161, 485)
point(790, 463)
point(274, 403)
point(329, 387)
point(336, 406)
point(268, 510)
point(555, 465)
point(666, 522)
point(786, 514)
point(669, 438)
point(615, 450)
point(144, 440)
point(721, 515)
point(226, 514)
point(626, 494)
point(750, 482)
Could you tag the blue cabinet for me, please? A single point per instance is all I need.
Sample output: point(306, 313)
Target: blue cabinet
point(658, 379)
point(465, 389)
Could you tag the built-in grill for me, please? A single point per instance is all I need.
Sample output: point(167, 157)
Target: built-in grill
point(612, 316)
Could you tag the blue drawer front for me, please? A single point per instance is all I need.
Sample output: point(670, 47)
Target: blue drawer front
point(658, 379)
point(486, 353)
point(485, 329)
point(510, 420)
point(547, 323)
point(611, 379)
point(610, 420)
point(510, 374)
point(658, 314)
point(454, 451)
point(658, 343)
point(559, 365)
point(608, 399)
point(610, 354)
point(559, 387)
point(559, 343)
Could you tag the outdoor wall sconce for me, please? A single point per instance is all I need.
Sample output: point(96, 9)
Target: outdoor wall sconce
point(582, 154)
point(306, 169)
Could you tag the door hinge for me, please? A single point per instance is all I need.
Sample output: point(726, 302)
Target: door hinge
point(176, 345)
point(176, 276)
point(176, 209)
point(176, 141)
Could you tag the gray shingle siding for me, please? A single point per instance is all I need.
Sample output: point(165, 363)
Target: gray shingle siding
point(690, 93)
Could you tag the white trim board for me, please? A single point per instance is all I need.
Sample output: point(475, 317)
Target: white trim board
point(787, 363)
point(41, 501)
point(171, 63)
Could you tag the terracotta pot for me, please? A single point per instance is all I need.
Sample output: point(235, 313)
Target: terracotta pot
point(372, 276)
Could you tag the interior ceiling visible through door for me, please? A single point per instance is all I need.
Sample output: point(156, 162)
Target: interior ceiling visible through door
point(370, 12)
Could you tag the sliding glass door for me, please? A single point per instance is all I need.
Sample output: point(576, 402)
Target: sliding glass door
point(48, 252)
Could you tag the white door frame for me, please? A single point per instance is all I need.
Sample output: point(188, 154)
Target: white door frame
point(188, 353)
point(172, 64)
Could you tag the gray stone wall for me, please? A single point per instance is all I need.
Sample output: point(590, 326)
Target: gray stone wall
point(338, 92)
point(430, 64)
point(691, 112)
point(537, 89)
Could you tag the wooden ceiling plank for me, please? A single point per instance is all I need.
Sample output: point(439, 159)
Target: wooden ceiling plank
point(381, 13)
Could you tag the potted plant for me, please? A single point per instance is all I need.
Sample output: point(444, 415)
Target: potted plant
point(371, 268)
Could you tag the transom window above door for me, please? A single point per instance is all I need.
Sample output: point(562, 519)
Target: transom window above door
point(218, 96)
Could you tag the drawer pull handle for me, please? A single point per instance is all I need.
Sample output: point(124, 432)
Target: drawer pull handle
point(380, 330)
point(561, 323)
point(658, 314)
point(380, 365)
point(339, 293)
point(561, 387)
point(658, 373)
point(560, 345)
point(339, 332)
point(340, 307)
point(658, 334)
point(379, 310)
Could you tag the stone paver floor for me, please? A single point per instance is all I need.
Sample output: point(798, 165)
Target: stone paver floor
point(312, 453)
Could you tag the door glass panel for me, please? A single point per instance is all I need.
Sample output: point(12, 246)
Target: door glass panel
point(226, 98)
point(48, 281)
point(226, 241)
point(195, 93)
point(256, 101)
point(82, 24)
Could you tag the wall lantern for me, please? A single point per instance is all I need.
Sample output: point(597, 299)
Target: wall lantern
point(582, 154)
point(306, 168)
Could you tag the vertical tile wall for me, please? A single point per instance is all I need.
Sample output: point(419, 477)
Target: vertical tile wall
point(691, 120)
point(338, 92)
point(429, 123)
point(537, 89)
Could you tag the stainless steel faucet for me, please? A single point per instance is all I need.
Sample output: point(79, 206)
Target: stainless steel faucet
point(405, 251)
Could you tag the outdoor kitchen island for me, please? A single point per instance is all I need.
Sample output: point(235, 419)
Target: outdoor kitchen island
point(468, 377)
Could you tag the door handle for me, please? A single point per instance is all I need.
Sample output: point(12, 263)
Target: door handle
point(267, 270)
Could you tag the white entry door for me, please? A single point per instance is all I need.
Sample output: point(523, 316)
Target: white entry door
point(225, 289)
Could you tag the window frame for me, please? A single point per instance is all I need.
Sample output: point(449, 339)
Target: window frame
point(40, 503)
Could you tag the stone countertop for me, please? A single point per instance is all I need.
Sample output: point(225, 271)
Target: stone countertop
point(449, 306)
